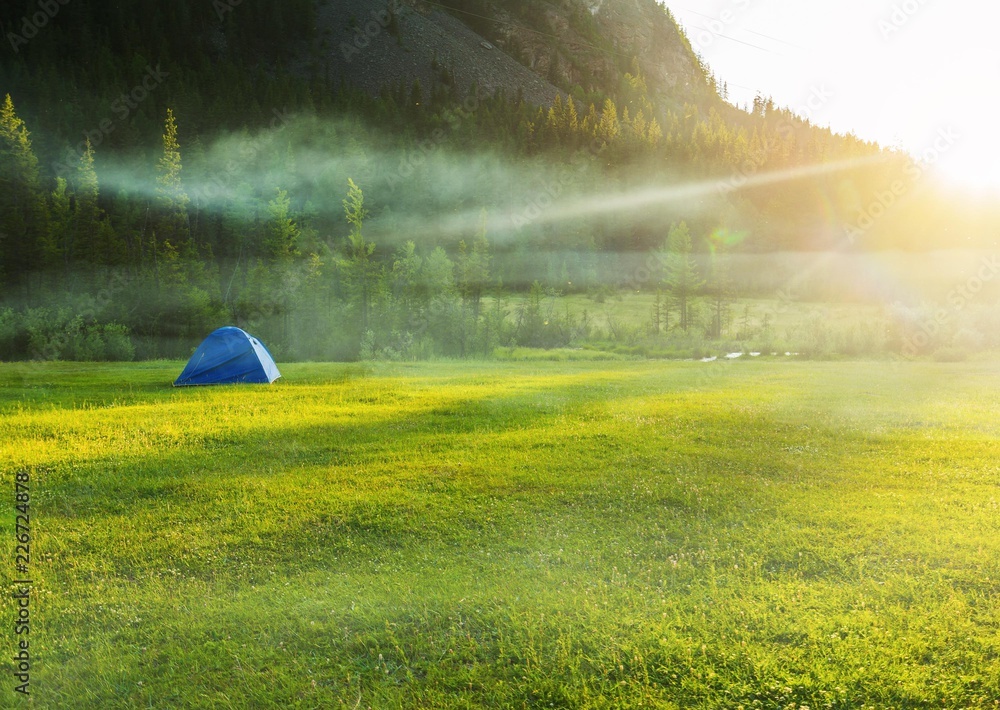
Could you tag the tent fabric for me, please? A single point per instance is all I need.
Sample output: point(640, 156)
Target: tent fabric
point(229, 355)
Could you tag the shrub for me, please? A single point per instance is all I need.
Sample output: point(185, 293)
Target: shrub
point(89, 345)
point(118, 345)
point(9, 325)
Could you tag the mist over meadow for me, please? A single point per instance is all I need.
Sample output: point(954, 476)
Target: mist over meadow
point(436, 216)
point(571, 373)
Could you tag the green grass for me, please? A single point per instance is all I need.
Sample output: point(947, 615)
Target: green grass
point(517, 354)
point(757, 534)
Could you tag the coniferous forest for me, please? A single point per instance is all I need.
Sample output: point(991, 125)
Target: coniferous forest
point(167, 168)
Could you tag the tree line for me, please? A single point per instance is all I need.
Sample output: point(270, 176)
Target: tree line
point(163, 288)
point(89, 247)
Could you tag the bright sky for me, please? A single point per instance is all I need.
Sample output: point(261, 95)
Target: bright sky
point(902, 72)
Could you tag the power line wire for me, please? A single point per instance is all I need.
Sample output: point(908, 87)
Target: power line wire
point(739, 41)
point(739, 86)
point(745, 29)
point(761, 34)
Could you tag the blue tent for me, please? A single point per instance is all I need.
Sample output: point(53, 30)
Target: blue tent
point(229, 355)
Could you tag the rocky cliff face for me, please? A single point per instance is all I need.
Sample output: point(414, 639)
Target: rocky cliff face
point(643, 29)
point(379, 45)
point(536, 48)
point(590, 43)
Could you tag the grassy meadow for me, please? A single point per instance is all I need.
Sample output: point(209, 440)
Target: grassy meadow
point(763, 533)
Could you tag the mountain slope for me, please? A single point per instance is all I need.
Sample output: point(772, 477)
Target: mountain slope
point(591, 43)
point(360, 46)
point(536, 49)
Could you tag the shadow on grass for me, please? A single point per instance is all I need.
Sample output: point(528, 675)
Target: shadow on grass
point(466, 472)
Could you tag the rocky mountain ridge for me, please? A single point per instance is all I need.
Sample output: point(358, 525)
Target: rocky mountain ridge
point(533, 49)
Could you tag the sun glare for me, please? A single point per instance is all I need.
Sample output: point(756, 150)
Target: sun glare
point(974, 165)
point(969, 114)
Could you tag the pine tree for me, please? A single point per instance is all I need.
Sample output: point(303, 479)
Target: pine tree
point(172, 200)
point(281, 234)
point(360, 270)
point(404, 283)
point(653, 133)
point(572, 120)
point(591, 122)
point(639, 127)
point(552, 127)
point(437, 276)
point(23, 210)
point(53, 245)
point(87, 213)
point(681, 273)
point(609, 128)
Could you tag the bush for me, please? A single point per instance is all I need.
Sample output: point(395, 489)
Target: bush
point(47, 336)
point(118, 345)
point(88, 345)
point(59, 335)
point(9, 325)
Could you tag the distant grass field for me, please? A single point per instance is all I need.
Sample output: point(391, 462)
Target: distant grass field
point(755, 534)
point(785, 317)
point(621, 324)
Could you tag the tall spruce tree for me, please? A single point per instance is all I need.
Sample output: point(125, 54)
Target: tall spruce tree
point(54, 241)
point(360, 270)
point(681, 276)
point(609, 127)
point(87, 214)
point(281, 235)
point(171, 199)
point(22, 205)
point(405, 285)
